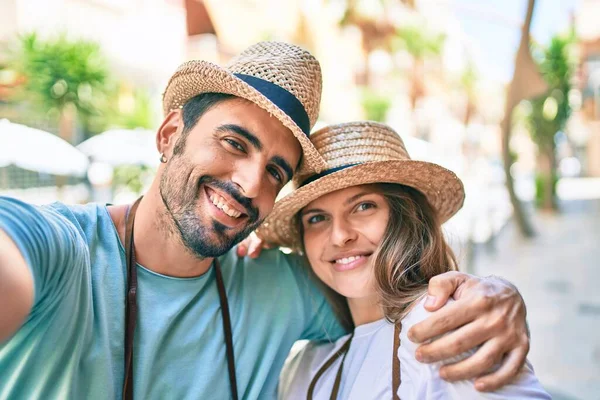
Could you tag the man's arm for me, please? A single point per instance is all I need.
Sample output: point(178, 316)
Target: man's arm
point(425, 378)
point(41, 254)
point(488, 312)
point(16, 288)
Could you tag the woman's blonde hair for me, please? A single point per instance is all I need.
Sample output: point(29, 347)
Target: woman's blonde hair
point(412, 251)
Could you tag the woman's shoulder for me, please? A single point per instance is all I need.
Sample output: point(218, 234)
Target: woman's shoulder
point(312, 354)
point(420, 380)
point(302, 364)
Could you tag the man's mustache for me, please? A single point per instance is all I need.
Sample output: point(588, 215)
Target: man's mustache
point(231, 189)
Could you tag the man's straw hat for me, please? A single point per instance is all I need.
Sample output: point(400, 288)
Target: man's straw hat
point(281, 78)
point(359, 153)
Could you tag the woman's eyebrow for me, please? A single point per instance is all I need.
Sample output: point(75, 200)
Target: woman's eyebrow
point(310, 211)
point(356, 197)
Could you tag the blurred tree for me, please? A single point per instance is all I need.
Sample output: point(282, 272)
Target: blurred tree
point(526, 83)
point(375, 105)
point(134, 109)
point(376, 30)
point(63, 77)
point(468, 83)
point(131, 177)
point(549, 114)
point(420, 44)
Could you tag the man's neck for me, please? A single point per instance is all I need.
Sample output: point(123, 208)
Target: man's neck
point(365, 310)
point(158, 246)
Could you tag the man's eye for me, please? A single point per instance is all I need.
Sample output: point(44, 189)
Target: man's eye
point(275, 173)
point(235, 144)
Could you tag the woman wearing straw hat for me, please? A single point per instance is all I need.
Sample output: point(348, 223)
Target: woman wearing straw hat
point(370, 227)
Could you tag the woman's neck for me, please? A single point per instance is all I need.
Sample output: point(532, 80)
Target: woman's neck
point(365, 310)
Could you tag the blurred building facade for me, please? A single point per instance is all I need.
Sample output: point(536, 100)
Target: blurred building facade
point(588, 32)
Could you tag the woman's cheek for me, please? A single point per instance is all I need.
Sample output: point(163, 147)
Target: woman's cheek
point(314, 248)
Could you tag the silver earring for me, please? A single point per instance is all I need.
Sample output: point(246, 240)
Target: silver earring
point(163, 159)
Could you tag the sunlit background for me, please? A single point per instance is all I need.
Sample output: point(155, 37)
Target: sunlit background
point(80, 93)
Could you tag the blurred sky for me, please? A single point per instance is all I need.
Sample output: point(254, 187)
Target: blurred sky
point(494, 25)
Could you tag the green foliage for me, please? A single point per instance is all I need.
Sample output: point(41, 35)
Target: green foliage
point(60, 71)
point(550, 112)
point(468, 79)
point(540, 187)
point(418, 41)
point(354, 11)
point(375, 105)
point(514, 156)
point(131, 176)
point(137, 112)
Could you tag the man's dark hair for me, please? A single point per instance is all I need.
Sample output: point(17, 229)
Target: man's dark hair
point(193, 109)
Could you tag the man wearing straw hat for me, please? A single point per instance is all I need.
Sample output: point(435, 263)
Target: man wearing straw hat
point(108, 302)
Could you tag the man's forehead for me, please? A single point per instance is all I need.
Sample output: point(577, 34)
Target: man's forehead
point(245, 114)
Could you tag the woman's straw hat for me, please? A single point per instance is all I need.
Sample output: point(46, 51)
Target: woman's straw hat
point(281, 78)
point(359, 153)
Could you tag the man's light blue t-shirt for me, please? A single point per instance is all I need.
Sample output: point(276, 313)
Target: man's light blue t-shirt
point(71, 345)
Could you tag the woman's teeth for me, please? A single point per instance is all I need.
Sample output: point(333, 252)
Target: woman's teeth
point(221, 204)
point(347, 260)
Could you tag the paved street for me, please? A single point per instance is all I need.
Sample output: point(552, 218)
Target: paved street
point(558, 273)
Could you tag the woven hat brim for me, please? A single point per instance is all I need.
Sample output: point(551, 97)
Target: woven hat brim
point(199, 77)
point(442, 188)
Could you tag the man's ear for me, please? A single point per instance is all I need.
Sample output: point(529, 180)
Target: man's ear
point(169, 132)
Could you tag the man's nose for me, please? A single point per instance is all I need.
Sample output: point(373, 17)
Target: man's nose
point(248, 177)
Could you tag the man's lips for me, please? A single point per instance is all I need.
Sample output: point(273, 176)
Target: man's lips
point(225, 203)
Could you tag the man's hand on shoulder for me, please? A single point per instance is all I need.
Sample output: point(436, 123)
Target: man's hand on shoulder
point(252, 246)
point(488, 312)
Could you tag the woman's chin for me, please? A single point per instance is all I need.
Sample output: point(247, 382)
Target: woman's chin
point(353, 289)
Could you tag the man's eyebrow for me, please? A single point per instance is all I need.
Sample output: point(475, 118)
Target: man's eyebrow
point(284, 165)
point(250, 137)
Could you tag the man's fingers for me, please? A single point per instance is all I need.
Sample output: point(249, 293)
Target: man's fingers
point(441, 287)
point(242, 249)
point(253, 249)
point(453, 344)
point(442, 321)
point(510, 368)
point(479, 363)
point(251, 246)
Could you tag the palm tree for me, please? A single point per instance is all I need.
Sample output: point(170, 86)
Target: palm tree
point(549, 114)
point(468, 82)
point(62, 77)
point(376, 32)
point(420, 44)
point(526, 83)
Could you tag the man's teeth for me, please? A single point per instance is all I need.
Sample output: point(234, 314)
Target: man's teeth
point(347, 260)
point(221, 204)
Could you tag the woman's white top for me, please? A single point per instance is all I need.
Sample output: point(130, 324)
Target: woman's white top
point(367, 372)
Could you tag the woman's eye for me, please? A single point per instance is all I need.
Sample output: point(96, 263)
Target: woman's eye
point(315, 219)
point(364, 206)
point(236, 145)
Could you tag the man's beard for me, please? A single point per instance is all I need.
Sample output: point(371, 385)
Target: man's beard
point(181, 202)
